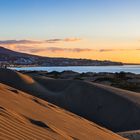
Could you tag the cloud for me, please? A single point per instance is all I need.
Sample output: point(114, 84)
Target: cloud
point(53, 40)
point(55, 49)
point(113, 50)
point(71, 39)
point(37, 46)
point(33, 49)
point(38, 49)
point(63, 40)
point(30, 49)
point(106, 50)
point(22, 42)
point(13, 42)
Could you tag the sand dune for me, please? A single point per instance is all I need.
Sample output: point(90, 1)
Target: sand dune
point(115, 109)
point(131, 135)
point(25, 117)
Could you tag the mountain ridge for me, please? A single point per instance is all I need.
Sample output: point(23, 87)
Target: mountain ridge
point(18, 58)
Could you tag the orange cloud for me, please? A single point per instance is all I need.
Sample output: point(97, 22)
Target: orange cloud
point(36, 49)
point(15, 42)
point(63, 40)
point(116, 51)
point(71, 39)
point(56, 49)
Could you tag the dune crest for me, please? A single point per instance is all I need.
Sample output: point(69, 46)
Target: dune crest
point(23, 116)
point(115, 109)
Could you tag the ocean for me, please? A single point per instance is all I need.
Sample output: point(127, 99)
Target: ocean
point(125, 68)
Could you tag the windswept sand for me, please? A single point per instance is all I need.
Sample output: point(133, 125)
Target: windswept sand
point(115, 109)
point(25, 117)
point(131, 135)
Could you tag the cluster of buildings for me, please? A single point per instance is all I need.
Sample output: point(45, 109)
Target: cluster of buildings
point(3, 64)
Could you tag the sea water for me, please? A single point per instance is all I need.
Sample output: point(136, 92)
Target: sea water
point(125, 68)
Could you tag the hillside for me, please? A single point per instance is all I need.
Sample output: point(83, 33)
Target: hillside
point(115, 109)
point(10, 57)
point(23, 116)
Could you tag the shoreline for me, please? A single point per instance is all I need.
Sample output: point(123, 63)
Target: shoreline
point(82, 69)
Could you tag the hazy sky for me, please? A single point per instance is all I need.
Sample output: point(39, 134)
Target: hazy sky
point(96, 29)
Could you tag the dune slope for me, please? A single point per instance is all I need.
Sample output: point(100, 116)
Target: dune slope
point(115, 109)
point(23, 116)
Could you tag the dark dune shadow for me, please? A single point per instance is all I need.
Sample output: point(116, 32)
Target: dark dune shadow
point(74, 138)
point(1, 108)
point(38, 102)
point(38, 123)
point(14, 91)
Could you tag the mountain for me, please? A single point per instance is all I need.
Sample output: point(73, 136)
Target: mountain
point(11, 57)
point(4, 51)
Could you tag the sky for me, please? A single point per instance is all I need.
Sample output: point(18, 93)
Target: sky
point(94, 29)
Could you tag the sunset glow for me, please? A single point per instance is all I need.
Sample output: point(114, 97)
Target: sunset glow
point(98, 29)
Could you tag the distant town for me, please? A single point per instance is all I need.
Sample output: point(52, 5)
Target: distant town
point(12, 58)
